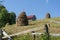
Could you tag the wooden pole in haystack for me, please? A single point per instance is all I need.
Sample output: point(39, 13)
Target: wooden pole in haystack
point(47, 31)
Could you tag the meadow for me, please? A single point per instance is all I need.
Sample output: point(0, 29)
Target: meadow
point(54, 28)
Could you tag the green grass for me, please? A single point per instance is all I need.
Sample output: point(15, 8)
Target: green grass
point(38, 37)
point(23, 37)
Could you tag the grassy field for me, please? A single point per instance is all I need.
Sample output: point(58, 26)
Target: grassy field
point(54, 28)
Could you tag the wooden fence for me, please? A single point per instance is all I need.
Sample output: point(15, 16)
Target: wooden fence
point(33, 33)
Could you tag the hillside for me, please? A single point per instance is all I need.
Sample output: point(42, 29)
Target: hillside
point(54, 26)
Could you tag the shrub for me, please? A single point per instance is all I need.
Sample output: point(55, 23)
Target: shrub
point(11, 18)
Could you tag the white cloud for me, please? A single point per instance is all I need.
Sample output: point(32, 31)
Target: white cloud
point(47, 1)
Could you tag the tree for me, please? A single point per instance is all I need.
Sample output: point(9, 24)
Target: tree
point(6, 17)
point(48, 15)
point(22, 19)
point(12, 18)
point(3, 15)
point(1, 7)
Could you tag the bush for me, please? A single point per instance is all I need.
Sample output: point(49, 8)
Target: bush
point(12, 18)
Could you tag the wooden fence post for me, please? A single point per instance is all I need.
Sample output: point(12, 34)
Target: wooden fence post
point(34, 36)
point(1, 34)
point(5, 34)
point(47, 31)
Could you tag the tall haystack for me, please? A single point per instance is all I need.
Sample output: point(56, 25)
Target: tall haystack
point(48, 15)
point(22, 19)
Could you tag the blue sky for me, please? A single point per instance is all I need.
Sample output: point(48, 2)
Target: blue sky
point(34, 7)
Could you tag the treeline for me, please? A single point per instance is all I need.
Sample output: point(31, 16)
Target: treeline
point(6, 17)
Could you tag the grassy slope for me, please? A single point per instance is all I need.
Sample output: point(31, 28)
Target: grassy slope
point(54, 28)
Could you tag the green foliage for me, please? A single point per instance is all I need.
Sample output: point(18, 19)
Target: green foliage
point(3, 16)
point(1, 7)
point(6, 17)
point(12, 18)
point(45, 37)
